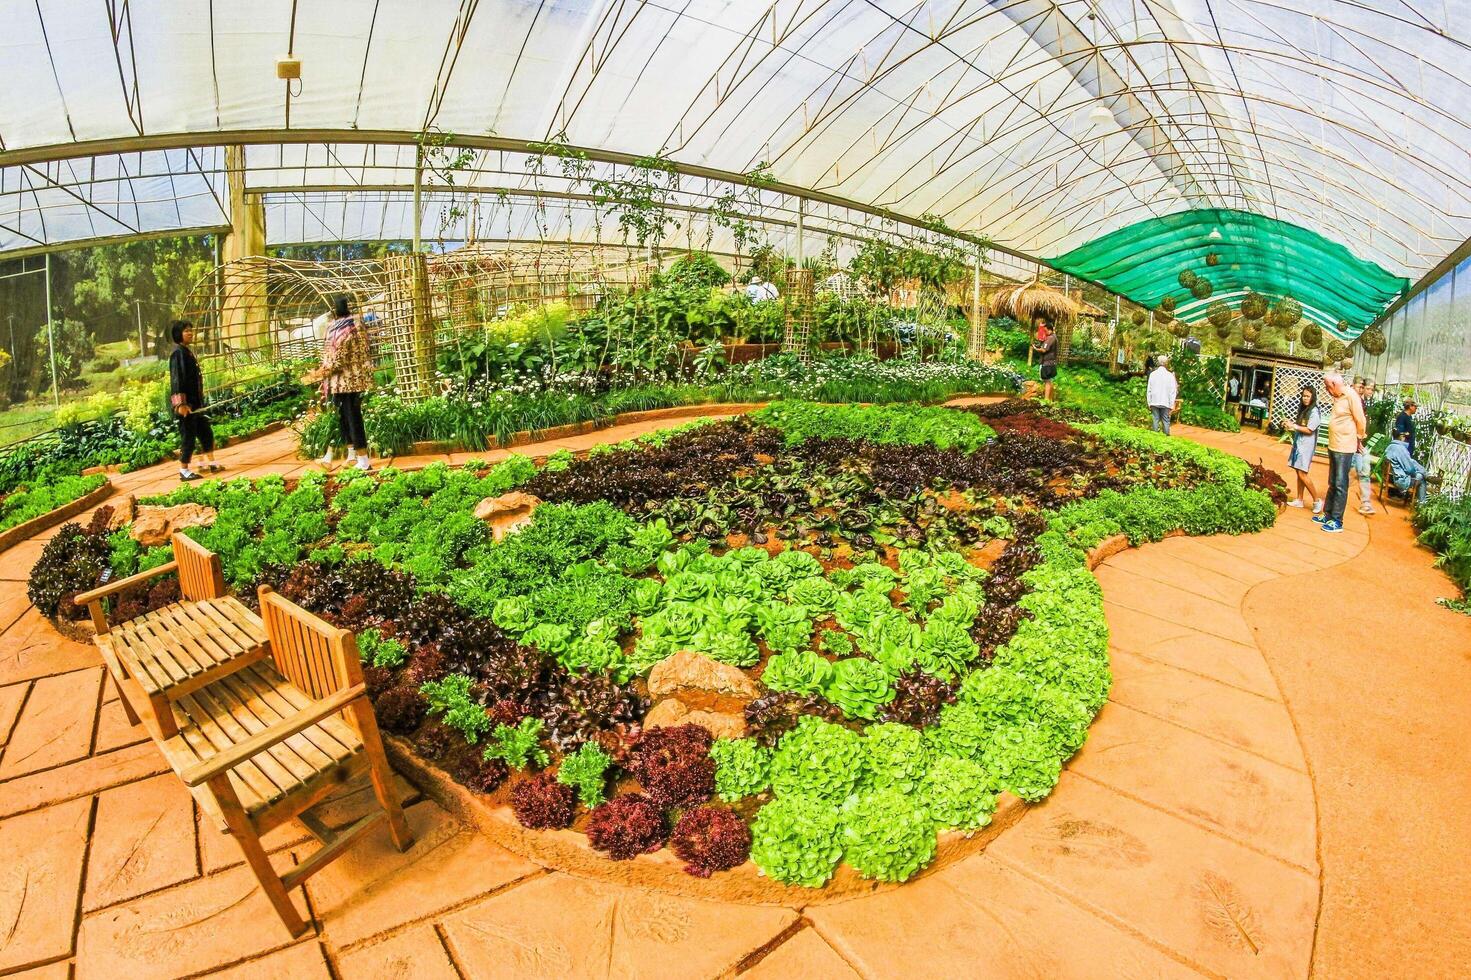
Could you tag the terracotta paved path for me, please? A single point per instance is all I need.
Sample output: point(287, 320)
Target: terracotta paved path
point(1182, 840)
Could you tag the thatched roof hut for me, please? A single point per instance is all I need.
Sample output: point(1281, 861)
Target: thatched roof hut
point(1027, 301)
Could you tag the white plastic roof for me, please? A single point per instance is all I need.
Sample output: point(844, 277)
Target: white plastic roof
point(1040, 124)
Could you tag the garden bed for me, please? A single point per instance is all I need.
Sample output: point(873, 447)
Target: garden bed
point(100, 491)
point(813, 646)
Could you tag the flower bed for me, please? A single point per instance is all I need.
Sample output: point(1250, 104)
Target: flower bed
point(821, 635)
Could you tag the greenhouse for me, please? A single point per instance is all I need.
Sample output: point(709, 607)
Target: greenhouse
point(712, 489)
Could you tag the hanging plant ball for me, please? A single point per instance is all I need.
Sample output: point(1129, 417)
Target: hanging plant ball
point(1180, 328)
point(1212, 259)
point(1253, 306)
point(1187, 279)
point(1224, 332)
point(1312, 336)
point(1138, 317)
point(1290, 333)
point(1202, 288)
point(1337, 350)
point(1287, 312)
point(1344, 327)
point(1373, 342)
point(1219, 314)
point(1167, 303)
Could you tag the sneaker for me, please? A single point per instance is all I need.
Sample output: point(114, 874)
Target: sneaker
point(1366, 509)
point(326, 459)
point(1318, 507)
point(364, 463)
point(1333, 527)
point(1319, 517)
point(1295, 503)
point(186, 475)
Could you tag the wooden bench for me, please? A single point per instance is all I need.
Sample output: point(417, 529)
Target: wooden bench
point(170, 652)
point(264, 744)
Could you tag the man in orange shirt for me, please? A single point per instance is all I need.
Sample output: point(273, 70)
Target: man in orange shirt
point(1346, 431)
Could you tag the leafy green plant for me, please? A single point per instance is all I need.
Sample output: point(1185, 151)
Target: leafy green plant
point(957, 794)
point(379, 650)
point(519, 746)
point(896, 756)
point(586, 771)
point(887, 835)
point(797, 840)
point(797, 671)
point(742, 768)
point(450, 697)
point(908, 424)
point(817, 759)
point(859, 686)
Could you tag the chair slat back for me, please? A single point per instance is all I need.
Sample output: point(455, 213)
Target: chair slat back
point(201, 576)
point(312, 654)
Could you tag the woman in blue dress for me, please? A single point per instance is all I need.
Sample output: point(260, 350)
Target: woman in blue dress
point(1304, 431)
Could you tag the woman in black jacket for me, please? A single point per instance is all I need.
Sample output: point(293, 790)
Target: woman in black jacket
point(186, 397)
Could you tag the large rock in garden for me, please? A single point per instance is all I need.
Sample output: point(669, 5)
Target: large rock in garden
point(671, 712)
point(688, 671)
point(123, 512)
point(506, 513)
point(154, 526)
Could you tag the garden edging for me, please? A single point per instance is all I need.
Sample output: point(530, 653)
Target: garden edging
point(22, 532)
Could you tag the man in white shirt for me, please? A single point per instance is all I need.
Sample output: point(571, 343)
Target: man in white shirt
point(758, 291)
point(1162, 395)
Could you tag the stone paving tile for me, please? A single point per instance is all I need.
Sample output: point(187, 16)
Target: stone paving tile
point(113, 730)
point(1227, 909)
point(1303, 531)
point(60, 970)
point(373, 888)
point(40, 880)
point(805, 955)
point(415, 954)
point(218, 850)
point(1227, 661)
point(16, 562)
point(1172, 603)
point(1197, 551)
point(90, 775)
point(1285, 558)
point(13, 602)
point(32, 648)
point(143, 841)
point(1253, 801)
point(1206, 707)
point(558, 926)
point(202, 925)
point(11, 699)
point(980, 919)
point(57, 723)
point(1153, 563)
point(304, 961)
point(356, 799)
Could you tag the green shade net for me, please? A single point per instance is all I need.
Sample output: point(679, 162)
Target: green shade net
point(1143, 262)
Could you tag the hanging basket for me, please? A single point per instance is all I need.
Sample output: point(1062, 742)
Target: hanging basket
point(1202, 288)
point(1180, 329)
point(1372, 341)
point(1253, 306)
point(1212, 259)
point(1188, 279)
point(1337, 351)
point(1285, 313)
point(1138, 317)
point(1312, 336)
point(1167, 304)
point(1224, 332)
point(1219, 314)
point(1251, 331)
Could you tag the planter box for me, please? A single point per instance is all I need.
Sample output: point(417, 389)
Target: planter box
point(24, 532)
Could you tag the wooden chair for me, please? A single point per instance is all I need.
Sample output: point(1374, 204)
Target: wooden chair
point(173, 651)
point(264, 744)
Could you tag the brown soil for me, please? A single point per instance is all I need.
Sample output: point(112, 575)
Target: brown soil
point(1378, 680)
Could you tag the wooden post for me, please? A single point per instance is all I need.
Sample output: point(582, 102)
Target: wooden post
point(245, 313)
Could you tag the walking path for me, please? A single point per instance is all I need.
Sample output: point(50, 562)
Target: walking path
point(1274, 788)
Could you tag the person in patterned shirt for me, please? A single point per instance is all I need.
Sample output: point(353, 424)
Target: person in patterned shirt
point(347, 372)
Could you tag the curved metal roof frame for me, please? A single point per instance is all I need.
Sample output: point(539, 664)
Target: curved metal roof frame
point(1340, 115)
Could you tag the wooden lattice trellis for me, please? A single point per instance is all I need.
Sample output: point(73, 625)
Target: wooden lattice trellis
point(798, 300)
